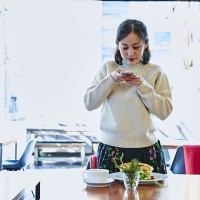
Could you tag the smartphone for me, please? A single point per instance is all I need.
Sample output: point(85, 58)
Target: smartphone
point(127, 73)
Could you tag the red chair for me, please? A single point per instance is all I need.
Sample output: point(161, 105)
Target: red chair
point(192, 158)
point(186, 160)
point(92, 162)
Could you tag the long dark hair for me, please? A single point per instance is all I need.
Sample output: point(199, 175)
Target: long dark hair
point(124, 29)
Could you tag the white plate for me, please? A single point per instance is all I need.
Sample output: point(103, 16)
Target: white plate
point(157, 177)
point(102, 184)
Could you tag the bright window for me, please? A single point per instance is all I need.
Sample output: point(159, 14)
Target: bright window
point(53, 49)
point(174, 43)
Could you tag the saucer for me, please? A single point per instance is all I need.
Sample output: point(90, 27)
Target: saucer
point(99, 184)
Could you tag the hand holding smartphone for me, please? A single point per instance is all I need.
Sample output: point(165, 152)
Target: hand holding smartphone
point(127, 73)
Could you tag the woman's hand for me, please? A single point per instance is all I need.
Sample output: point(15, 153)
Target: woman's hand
point(117, 76)
point(135, 80)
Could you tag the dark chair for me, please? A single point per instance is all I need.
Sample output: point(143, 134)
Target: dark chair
point(167, 156)
point(178, 163)
point(24, 161)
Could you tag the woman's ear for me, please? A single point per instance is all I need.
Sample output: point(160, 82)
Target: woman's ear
point(117, 46)
point(146, 45)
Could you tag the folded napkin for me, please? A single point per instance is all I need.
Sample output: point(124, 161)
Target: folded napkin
point(192, 157)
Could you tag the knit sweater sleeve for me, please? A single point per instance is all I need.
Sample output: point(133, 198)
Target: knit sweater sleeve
point(100, 88)
point(157, 98)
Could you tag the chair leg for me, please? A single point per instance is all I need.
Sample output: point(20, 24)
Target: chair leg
point(167, 157)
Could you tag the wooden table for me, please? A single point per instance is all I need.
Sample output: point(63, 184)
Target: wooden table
point(6, 141)
point(70, 138)
point(173, 144)
point(67, 184)
point(35, 130)
point(17, 185)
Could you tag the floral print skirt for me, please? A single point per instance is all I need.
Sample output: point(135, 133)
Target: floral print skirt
point(152, 155)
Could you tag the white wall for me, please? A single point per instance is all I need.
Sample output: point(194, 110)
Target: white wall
point(54, 49)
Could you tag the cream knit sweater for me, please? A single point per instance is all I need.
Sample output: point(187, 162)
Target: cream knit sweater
point(127, 112)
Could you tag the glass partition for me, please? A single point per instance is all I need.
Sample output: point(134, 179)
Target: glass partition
point(53, 49)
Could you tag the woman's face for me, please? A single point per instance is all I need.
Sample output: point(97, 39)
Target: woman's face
point(131, 48)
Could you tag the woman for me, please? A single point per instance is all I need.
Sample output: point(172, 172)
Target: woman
point(129, 101)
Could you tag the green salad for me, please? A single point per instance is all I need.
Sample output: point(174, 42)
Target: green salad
point(145, 175)
point(133, 167)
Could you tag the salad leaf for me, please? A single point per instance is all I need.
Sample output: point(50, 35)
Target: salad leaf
point(145, 175)
point(130, 168)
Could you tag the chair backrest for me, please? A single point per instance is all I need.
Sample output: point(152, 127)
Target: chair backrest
point(192, 157)
point(178, 163)
point(92, 162)
point(25, 158)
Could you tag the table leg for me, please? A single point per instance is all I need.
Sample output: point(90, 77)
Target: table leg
point(36, 154)
point(28, 136)
point(1, 154)
point(15, 150)
point(82, 155)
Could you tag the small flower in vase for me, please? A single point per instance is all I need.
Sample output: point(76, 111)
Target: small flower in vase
point(131, 172)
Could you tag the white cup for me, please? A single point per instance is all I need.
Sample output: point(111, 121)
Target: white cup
point(95, 175)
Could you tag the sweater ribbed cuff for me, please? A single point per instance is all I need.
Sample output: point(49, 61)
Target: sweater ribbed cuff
point(144, 87)
point(110, 80)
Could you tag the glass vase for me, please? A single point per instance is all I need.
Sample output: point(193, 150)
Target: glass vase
point(131, 180)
